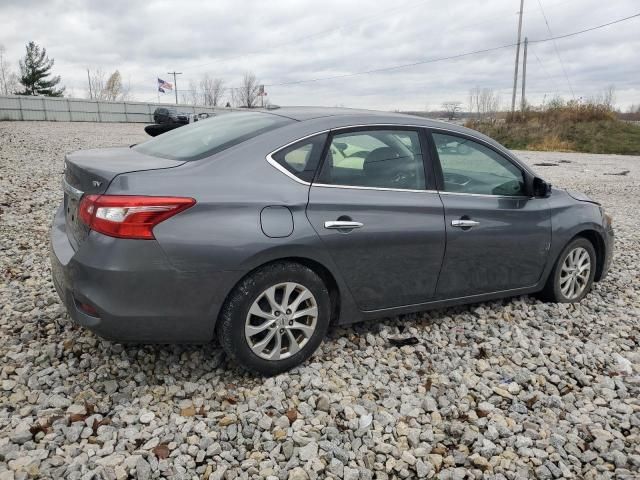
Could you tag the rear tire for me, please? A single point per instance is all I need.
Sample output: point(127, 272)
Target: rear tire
point(275, 318)
point(572, 275)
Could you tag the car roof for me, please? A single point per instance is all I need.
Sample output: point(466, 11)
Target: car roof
point(309, 113)
point(320, 118)
point(302, 114)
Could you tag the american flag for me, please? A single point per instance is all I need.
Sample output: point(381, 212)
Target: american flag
point(162, 85)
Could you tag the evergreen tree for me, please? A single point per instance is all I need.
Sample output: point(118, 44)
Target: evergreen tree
point(35, 67)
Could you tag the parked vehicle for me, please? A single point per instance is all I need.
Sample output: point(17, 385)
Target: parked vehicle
point(264, 228)
point(170, 115)
point(164, 123)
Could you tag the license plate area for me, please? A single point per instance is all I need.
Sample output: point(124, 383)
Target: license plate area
point(76, 230)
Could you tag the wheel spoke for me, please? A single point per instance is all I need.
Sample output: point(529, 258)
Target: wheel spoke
point(288, 290)
point(258, 312)
point(311, 311)
point(293, 343)
point(276, 351)
point(262, 344)
point(304, 295)
point(305, 329)
point(270, 295)
point(252, 330)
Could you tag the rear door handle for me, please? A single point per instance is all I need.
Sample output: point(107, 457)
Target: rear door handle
point(464, 223)
point(342, 225)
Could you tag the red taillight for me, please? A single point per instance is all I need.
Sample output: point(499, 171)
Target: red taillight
point(129, 216)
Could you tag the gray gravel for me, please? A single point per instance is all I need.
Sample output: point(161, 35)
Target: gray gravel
point(509, 389)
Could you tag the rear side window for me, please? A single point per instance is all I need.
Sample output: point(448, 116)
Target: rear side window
point(207, 137)
point(375, 159)
point(301, 159)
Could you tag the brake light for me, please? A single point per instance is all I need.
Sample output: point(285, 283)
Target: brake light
point(129, 216)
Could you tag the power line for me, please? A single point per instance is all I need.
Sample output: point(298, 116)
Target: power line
point(555, 47)
point(573, 34)
point(450, 57)
point(365, 19)
point(312, 35)
point(546, 72)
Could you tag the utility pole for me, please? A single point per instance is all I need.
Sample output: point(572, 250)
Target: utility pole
point(524, 73)
point(175, 83)
point(515, 75)
point(89, 79)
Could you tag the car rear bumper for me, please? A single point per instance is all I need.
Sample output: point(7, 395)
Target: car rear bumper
point(138, 295)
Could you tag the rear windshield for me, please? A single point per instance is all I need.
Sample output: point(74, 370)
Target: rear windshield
point(206, 137)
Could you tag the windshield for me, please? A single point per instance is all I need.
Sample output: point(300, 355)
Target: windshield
point(206, 137)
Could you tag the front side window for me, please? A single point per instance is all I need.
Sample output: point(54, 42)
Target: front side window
point(470, 167)
point(376, 159)
point(301, 159)
point(202, 139)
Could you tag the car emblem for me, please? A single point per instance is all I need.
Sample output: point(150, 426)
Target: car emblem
point(96, 183)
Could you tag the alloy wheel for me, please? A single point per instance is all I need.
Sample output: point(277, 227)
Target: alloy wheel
point(281, 321)
point(574, 274)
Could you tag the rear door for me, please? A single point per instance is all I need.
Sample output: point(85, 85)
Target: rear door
point(498, 238)
point(374, 206)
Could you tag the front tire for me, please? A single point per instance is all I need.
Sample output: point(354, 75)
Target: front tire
point(572, 276)
point(275, 318)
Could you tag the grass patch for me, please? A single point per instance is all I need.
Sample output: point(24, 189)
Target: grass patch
point(574, 127)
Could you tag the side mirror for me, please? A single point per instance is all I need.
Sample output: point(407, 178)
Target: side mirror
point(541, 189)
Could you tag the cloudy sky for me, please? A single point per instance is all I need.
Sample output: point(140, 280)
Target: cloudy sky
point(286, 41)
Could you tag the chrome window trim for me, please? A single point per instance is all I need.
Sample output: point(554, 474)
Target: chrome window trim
point(384, 189)
point(519, 197)
point(272, 161)
point(280, 168)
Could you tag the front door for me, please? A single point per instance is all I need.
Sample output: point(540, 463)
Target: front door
point(374, 207)
point(498, 238)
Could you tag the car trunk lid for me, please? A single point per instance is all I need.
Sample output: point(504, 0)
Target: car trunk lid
point(91, 172)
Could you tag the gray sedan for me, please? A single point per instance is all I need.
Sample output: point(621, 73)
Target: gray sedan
point(265, 227)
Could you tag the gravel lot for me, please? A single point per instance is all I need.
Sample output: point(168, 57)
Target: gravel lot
point(510, 389)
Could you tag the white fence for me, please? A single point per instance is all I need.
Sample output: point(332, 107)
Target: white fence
point(14, 107)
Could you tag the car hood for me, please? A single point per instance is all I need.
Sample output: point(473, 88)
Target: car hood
point(581, 197)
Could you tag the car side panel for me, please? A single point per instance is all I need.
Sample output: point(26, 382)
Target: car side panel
point(508, 248)
point(223, 232)
point(395, 258)
point(568, 219)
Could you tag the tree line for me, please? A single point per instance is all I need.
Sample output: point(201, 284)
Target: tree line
point(34, 77)
point(214, 92)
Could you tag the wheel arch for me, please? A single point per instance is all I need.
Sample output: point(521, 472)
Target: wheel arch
point(325, 274)
point(596, 239)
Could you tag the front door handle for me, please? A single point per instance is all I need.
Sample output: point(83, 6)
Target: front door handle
point(464, 223)
point(342, 225)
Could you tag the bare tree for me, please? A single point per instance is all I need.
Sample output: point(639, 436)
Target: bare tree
point(609, 97)
point(194, 93)
point(96, 84)
point(484, 103)
point(9, 82)
point(451, 107)
point(107, 88)
point(212, 90)
point(247, 94)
